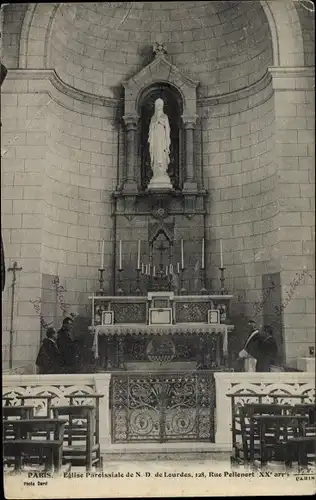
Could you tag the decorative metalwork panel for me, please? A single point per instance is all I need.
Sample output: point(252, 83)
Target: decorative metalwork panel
point(163, 407)
point(187, 312)
point(129, 312)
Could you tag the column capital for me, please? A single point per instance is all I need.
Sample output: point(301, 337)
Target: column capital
point(130, 120)
point(189, 121)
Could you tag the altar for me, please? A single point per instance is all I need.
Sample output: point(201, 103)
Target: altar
point(160, 320)
point(160, 330)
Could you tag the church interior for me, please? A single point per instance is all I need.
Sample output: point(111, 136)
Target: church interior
point(157, 186)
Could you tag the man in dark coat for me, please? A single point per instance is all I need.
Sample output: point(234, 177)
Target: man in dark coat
point(67, 346)
point(48, 358)
point(268, 350)
point(260, 350)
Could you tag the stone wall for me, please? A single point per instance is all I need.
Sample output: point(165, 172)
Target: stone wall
point(240, 174)
point(61, 137)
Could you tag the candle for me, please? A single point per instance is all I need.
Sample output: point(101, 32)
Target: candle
point(102, 255)
point(138, 256)
point(146, 269)
point(149, 266)
point(182, 255)
point(171, 268)
point(142, 268)
point(120, 255)
point(166, 270)
point(154, 271)
point(203, 255)
point(221, 250)
point(178, 267)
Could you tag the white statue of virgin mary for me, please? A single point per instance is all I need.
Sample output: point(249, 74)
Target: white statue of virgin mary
point(159, 148)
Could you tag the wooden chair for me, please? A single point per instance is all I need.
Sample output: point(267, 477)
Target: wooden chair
point(81, 444)
point(275, 431)
point(24, 412)
point(246, 434)
point(26, 447)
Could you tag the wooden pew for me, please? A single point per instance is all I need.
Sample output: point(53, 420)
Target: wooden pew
point(26, 446)
point(81, 445)
point(240, 449)
point(250, 436)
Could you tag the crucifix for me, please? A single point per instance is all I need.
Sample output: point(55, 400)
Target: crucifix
point(13, 269)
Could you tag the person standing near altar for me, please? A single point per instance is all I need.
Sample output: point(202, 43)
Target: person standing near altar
point(251, 351)
point(67, 347)
point(48, 359)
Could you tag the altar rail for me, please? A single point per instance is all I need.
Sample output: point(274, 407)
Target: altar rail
point(277, 384)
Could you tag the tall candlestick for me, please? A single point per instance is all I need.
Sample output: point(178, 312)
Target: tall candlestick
point(203, 254)
point(120, 255)
point(138, 256)
point(182, 255)
point(178, 267)
point(221, 250)
point(102, 255)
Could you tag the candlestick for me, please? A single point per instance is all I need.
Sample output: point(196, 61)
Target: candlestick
point(222, 280)
point(178, 267)
point(101, 280)
point(138, 256)
point(182, 289)
point(120, 255)
point(119, 287)
point(102, 255)
point(182, 255)
point(203, 255)
point(221, 251)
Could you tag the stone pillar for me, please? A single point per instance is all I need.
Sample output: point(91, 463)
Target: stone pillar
point(190, 183)
point(102, 386)
point(130, 184)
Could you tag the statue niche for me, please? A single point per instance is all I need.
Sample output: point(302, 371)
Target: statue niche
point(160, 120)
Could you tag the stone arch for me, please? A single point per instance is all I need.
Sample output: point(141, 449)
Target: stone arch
point(286, 32)
point(35, 35)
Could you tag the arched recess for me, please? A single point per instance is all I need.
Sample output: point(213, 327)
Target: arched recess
point(282, 17)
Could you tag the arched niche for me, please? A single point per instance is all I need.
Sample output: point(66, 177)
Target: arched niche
point(173, 107)
point(160, 76)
